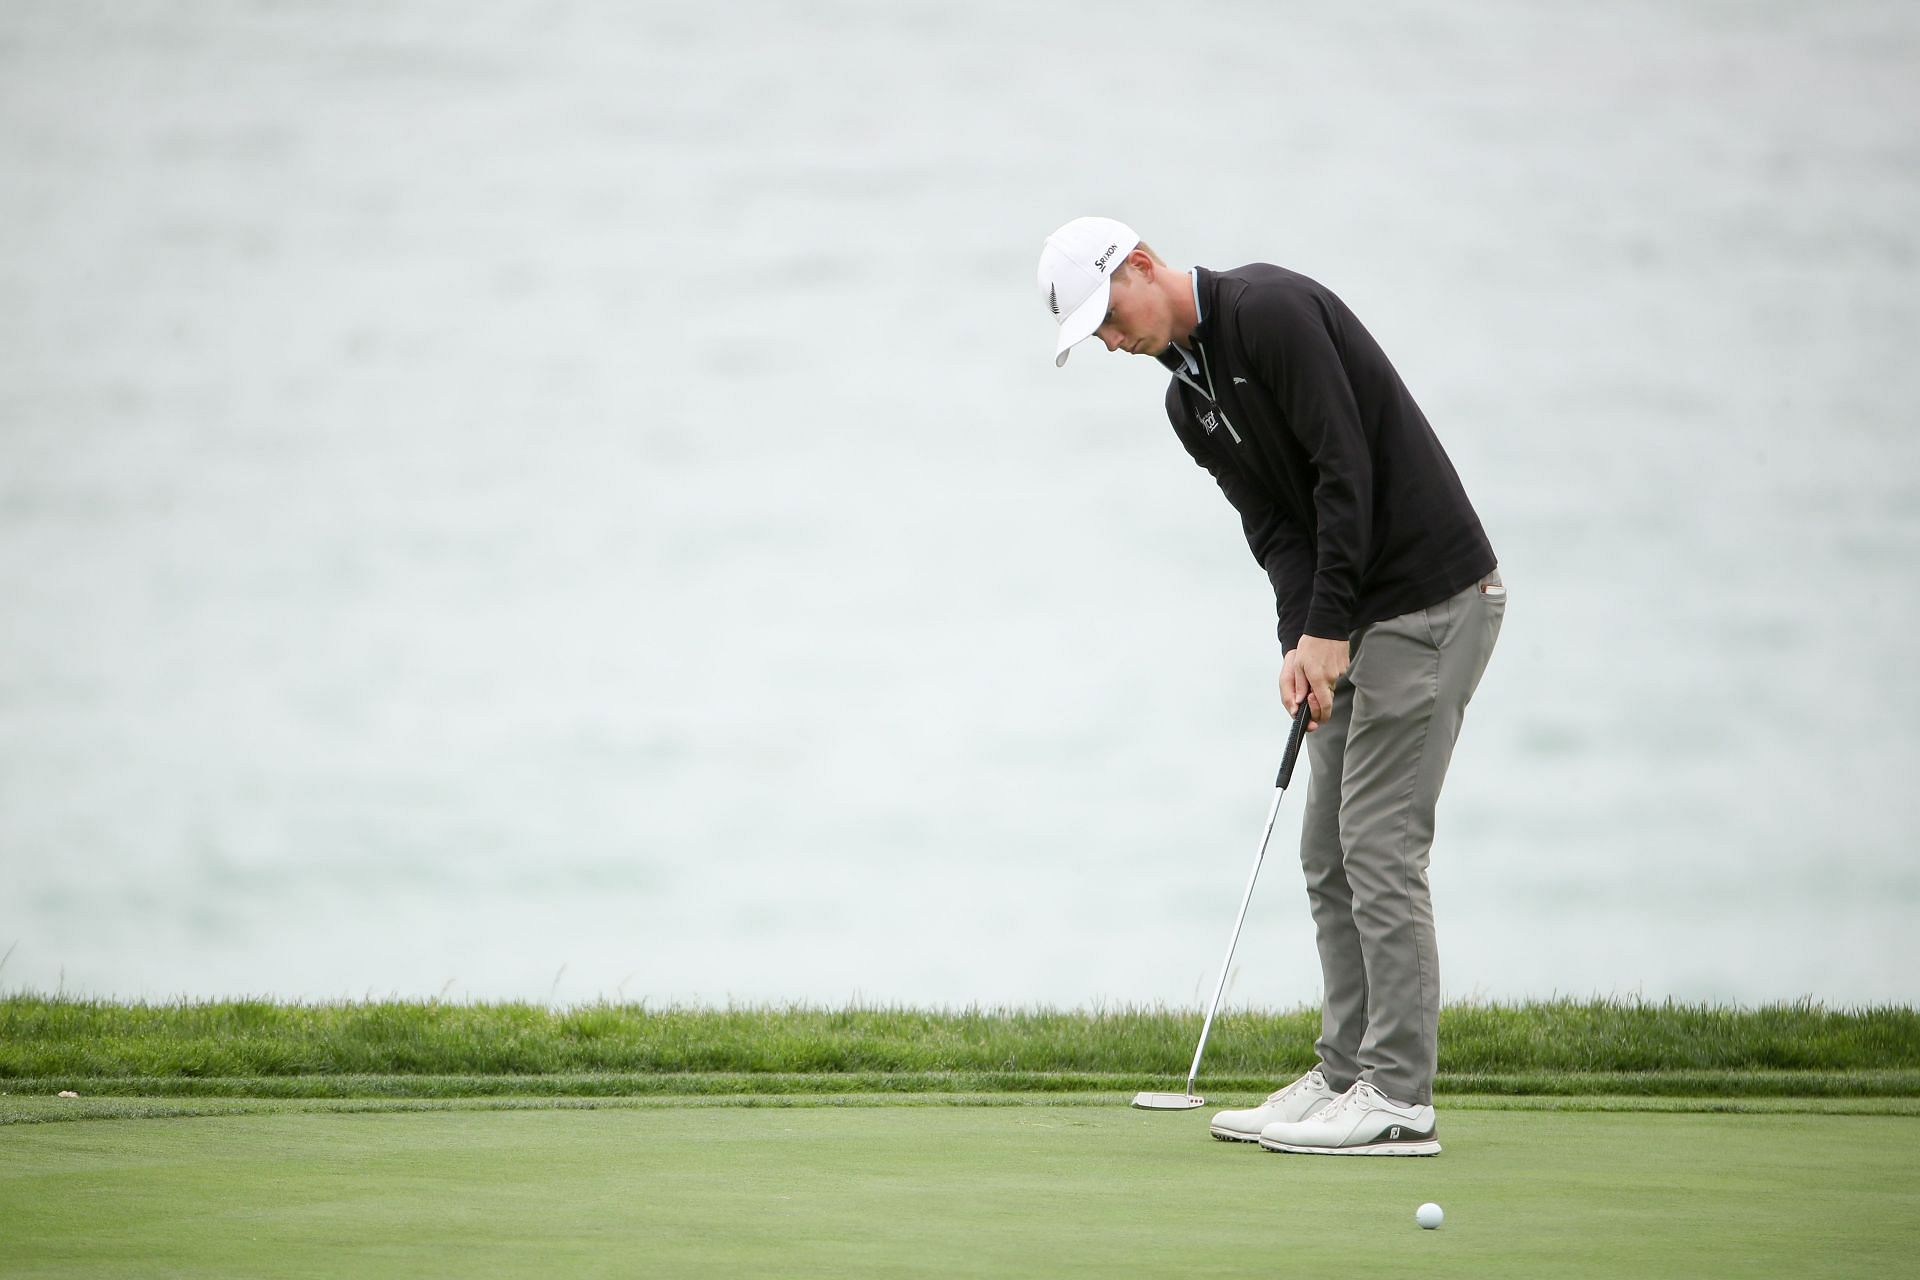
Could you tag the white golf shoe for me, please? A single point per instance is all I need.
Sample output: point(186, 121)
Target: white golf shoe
point(1295, 1102)
point(1360, 1122)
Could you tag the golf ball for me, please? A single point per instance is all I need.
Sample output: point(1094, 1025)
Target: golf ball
point(1428, 1215)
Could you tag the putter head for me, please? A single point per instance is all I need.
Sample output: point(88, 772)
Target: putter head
point(1168, 1101)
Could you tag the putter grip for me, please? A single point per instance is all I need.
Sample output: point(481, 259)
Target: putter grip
point(1293, 747)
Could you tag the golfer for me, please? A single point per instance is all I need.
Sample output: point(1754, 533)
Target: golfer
point(1389, 604)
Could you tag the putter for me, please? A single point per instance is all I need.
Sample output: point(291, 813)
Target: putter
point(1189, 1100)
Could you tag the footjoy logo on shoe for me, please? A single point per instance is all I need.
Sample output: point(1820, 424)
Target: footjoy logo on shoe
point(1393, 1134)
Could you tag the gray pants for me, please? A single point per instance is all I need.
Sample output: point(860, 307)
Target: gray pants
point(1378, 763)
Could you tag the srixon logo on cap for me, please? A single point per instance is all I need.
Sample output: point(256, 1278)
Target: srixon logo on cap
point(1100, 263)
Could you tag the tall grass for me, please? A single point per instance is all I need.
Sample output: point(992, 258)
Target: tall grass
point(45, 1037)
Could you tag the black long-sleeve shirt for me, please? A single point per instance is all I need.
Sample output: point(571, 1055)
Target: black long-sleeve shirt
point(1347, 499)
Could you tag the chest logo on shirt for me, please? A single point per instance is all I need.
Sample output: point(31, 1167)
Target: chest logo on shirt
point(1213, 419)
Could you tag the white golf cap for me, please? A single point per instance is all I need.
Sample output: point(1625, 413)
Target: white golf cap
point(1076, 266)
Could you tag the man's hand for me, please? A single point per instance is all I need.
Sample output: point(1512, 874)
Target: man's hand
point(1310, 671)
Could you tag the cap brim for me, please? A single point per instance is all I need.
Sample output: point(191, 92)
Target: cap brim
point(1080, 323)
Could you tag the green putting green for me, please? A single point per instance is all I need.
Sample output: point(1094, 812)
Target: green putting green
point(948, 1191)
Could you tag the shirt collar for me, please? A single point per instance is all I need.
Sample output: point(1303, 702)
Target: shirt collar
point(1186, 357)
point(1203, 288)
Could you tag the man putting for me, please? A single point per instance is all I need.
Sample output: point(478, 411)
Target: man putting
point(1389, 604)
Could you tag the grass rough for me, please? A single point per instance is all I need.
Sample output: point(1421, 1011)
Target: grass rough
point(1484, 1047)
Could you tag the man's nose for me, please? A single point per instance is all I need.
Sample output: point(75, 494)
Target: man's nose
point(1109, 335)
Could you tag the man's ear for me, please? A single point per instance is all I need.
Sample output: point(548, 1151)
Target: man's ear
point(1141, 262)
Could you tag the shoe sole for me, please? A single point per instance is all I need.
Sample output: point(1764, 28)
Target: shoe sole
point(1228, 1135)
point(1370, 1149)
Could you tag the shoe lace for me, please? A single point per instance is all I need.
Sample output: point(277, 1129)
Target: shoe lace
point(1311, 1080)
point(1360, 1095)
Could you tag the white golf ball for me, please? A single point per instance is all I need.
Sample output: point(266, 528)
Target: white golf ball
point(1428, 1215)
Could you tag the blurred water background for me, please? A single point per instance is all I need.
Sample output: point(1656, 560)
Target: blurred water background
point(572, 500)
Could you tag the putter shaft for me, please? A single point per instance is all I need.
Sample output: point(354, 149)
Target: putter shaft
point(1280, 782)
